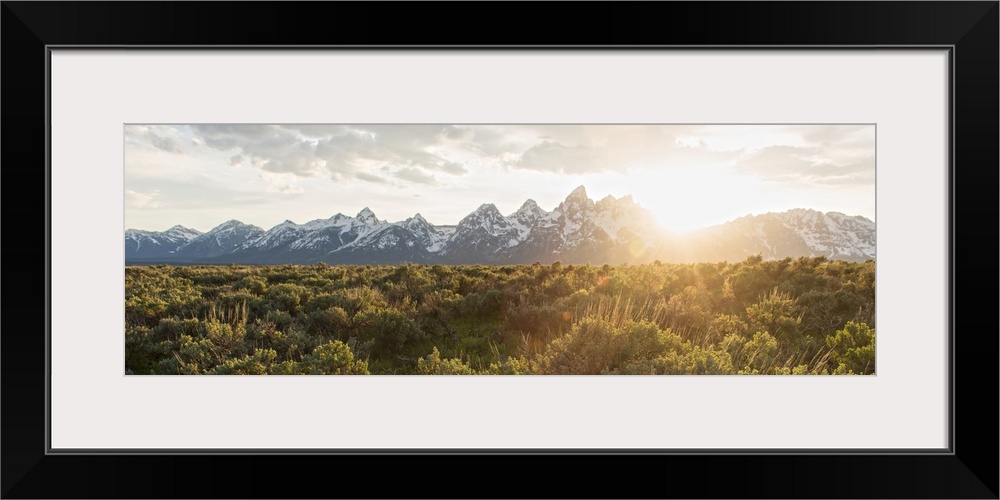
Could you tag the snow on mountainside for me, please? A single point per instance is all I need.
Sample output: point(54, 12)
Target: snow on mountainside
point(525, 218)
point(431, 238)
point(221, 240)
point(141, 244)
point(617, 215)
point(482, 234)
point(289, 242)
point(578, 230)
point(832, 234)
point(795, 233)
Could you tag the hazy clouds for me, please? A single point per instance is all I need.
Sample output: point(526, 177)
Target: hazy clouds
point(415, 154)
point(426, 154)
point(828, 154)
point(158, 136)
point(430, 154)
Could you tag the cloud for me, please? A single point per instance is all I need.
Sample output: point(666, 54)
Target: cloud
point(340, 151)
point(161, 137)
point(454, 168)
point(555, 157)
point(365, 176)
point(415, 175)
point(788, 164)
point(280, 183)
point(605, 148)
point(168, 144)
point(136, 199)
point(413, 153)
point(836, 135)
point(418, 153)
point(827, 154)
point(778, 161)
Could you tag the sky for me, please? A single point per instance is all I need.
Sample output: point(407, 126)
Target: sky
point(688, 176)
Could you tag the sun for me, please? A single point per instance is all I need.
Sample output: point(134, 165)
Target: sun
point(683, 199)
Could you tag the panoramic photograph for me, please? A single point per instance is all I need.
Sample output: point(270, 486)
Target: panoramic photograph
point(503, 249)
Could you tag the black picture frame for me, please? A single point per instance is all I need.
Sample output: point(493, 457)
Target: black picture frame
point(968, 470)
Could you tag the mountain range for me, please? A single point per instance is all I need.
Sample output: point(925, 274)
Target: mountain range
point(579, 230)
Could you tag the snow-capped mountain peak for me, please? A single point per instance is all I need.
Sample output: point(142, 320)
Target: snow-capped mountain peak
point(157, 244)
point(529, 209)
point(181, 231)
point(417, 224)
point(228, 225)
point(221, 240)
point(487, 207)
point(366, 216)
point(486, 216)
point(430, 238)
point(576, 204)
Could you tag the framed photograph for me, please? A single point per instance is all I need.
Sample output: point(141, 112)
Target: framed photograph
point(660, 251)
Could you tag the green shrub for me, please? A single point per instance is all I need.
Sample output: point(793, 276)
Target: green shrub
point(537, 319)
point(332, 358)
point(688, 361)
point(774, 313)
point(329, 323)
point(595, 346)
point(509, 366)
point(257, 363)
point(853, 349)
point(391, 330)
point(432, 364)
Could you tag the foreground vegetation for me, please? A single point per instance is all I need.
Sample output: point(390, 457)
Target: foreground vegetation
point(804, 316)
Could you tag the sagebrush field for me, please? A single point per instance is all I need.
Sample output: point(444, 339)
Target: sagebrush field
point(791, 316)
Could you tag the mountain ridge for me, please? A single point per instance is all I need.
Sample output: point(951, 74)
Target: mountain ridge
point(577, 230)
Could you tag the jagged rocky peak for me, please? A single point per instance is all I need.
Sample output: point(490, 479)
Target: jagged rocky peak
point(577, 200)
point(529, 205)
point(580, 193)
point(367, 216)
point(804, 214)
point(529, 211)
point(609, 202)
point(416, 221)
point(487, 216)
point(606, 202)
point(487, 209)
